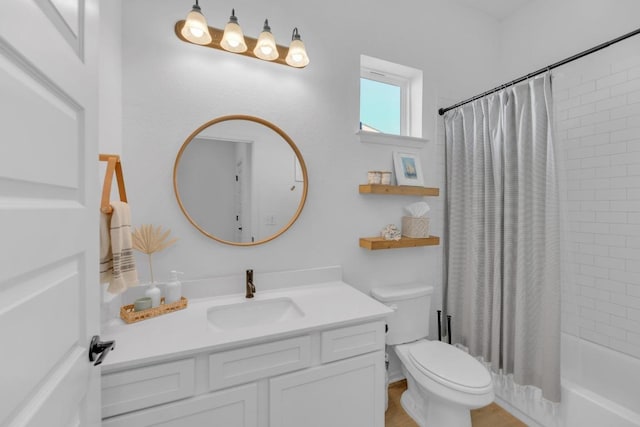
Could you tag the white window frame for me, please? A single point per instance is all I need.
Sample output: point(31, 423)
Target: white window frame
point(410, 81)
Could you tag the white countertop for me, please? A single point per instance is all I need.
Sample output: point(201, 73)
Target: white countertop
point(325, 305)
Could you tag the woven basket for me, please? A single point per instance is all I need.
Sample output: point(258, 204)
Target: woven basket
point(130, 316)
point(416, 227)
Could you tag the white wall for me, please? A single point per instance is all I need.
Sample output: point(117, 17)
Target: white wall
point(110, 84)
point(548, 31)
point(110, 80)
point(171, 88)
point(597, 122)
point(598, 132)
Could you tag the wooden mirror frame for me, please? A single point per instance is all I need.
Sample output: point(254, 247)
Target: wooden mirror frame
point(277, 130)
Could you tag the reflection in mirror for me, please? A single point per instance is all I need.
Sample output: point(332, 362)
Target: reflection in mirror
point(240, 180)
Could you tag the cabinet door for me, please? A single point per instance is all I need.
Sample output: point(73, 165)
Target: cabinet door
point(236, 407)
point(349, 393)
point(140, 388)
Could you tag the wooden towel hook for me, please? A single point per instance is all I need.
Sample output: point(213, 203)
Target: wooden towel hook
point(113, 165)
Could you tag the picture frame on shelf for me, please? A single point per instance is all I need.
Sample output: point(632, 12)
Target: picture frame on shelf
point(408, 169)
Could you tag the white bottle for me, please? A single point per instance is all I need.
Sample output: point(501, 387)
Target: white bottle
point(173, 289)
point(153, 292)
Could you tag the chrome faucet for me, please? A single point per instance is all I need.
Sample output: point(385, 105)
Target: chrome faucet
point(251, 288)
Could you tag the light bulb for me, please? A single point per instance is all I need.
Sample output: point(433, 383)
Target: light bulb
point(297, 56)
point(266, 45)
point(233, 39)
point(195, 27)
point(196, 32)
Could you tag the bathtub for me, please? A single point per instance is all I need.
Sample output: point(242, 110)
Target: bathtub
point(600, 388)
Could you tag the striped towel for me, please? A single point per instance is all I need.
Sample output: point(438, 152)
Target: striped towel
point(117, 264)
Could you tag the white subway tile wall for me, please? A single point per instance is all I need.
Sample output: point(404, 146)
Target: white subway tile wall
point(597, 128)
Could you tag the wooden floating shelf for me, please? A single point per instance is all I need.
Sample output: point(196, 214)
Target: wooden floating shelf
point(375, 243)
point(402, 190)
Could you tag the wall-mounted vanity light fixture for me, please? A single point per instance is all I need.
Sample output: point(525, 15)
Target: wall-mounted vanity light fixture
point(194, 29)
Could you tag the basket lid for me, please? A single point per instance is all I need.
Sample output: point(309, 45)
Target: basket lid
point(401, 292)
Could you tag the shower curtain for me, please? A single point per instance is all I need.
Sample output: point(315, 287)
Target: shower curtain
point(502, 275)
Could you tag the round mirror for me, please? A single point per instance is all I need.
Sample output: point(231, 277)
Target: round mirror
point(240, 180)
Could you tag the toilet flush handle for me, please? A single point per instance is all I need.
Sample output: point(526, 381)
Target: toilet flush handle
point(393, 307)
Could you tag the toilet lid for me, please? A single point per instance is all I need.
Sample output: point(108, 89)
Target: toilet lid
point(450, 366)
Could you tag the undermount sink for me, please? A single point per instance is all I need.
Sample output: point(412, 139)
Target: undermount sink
point(253, 313)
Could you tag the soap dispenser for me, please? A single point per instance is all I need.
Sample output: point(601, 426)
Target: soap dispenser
point(153, 292)
point(173, 289)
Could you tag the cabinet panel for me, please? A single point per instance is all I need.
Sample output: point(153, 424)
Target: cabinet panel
point(353, 340)
point(349, 393)
point(139, 388)
point(237, 407)
point(247, 364)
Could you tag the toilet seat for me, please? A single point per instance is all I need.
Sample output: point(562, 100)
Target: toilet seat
point(450, 366)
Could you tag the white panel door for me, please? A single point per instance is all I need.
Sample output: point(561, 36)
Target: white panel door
point(49, 300)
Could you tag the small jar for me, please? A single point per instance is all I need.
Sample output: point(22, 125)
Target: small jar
point(385, 178)
point(374, 177)
point(141, 304)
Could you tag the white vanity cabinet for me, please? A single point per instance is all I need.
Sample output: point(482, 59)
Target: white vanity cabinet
point(326, 377)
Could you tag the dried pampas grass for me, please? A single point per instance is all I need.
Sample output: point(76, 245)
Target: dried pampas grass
point(150, 239)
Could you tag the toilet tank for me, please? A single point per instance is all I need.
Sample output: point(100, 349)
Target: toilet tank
point(411, 303)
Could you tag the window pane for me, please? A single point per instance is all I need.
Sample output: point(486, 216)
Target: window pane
point(379, 106)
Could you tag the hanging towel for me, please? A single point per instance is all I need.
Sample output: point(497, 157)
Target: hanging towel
point(117, 264)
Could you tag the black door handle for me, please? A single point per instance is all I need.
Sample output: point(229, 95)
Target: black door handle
point(101, 348)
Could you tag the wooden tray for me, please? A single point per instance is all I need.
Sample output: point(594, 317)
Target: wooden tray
point(129, 316)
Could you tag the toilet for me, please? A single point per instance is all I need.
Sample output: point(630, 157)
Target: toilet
point(444, 383)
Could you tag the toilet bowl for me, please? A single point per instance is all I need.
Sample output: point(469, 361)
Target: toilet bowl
point(444, 383)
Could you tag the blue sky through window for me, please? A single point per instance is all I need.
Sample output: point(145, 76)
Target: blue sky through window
point(380, 106)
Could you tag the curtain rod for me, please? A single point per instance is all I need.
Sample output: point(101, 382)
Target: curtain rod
point(441, 111)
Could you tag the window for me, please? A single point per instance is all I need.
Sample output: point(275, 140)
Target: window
point(390, 98)
point(381, 105)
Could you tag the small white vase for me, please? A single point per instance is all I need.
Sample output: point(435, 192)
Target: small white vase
point(153, 292)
